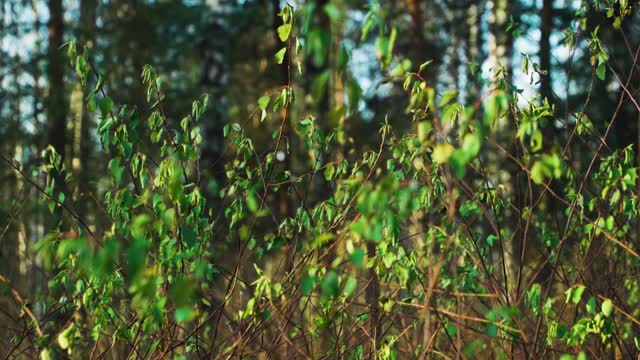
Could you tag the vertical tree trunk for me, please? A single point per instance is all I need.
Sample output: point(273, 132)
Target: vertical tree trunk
point(56, 103)
point(423, 49)
point(458, 14)
point(337, 88)
point(8, 243)
point(284, 203)
point(322, 103)
point(214, 80)
point(283, 80)
point(546, 91)
point(88, 30)
point(499, 44)
point(415, 11)
point(546, 24)
point(473, 50)
point(373, 294)
point(56, 99)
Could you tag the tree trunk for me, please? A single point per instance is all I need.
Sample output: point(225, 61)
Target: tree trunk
point(499, 38)
point(423, 49)
point(473, 50)
point(283, 80)
point(546, 24)
point(88, 30)
point(322, 103)
point(56, 99)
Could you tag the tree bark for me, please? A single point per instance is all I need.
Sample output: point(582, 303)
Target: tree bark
point(546, 24)
point(423, 49)
point(56, 99)
point(88, 31)
point(473, 50)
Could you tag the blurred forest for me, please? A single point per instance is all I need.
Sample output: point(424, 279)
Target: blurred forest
point(319, 179)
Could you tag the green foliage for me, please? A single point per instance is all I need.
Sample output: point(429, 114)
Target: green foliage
point(418, 241)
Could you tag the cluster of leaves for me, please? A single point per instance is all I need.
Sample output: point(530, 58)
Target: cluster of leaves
point(413, 232)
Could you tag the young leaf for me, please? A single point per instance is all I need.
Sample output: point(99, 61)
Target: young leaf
point(280, 55)
point(307, 284)
point(330, 284)
point(442, 152)
point(284, 31)
point(184, 314)
point(424, 65)
point(263, 102)
point(601, 71)
point(607, 308)
point(357, 257)
point(350, 286)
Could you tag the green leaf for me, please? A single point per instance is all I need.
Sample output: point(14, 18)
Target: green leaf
point(448, 97)
point(442, 152)
point(91, 103)
point(116, 170)
point(591, 305)
point(106, 105)
point(549, 166)
point(534, 296)
point(384, 48)
point(99, 84)
point(574, 294)
point(185, 314)
point(452, 330)
point(492, 330)
point(136, 256)
point(424, 129)
point(471, 146)
point(357, 257)
point(401, 68)
point(536, 141)
point(392, 41)
point(537, 173)
point(457, 161)
point(182, 291)
point(607, 308)
point(188, 236)
point(45, 354)
point(65, 338)
point(322, 239)
point(63, 341)
point(496, 106)
point(319, 85)
point(332, 11)
point(263, 102)
point(350, 286)
point(280, 55)
point(601, 71)
point(252, 201)
point(424, 65)
point(387, 306)
point(307, 285)
point(330, 285)
point(329, 171)
point(284, 31)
